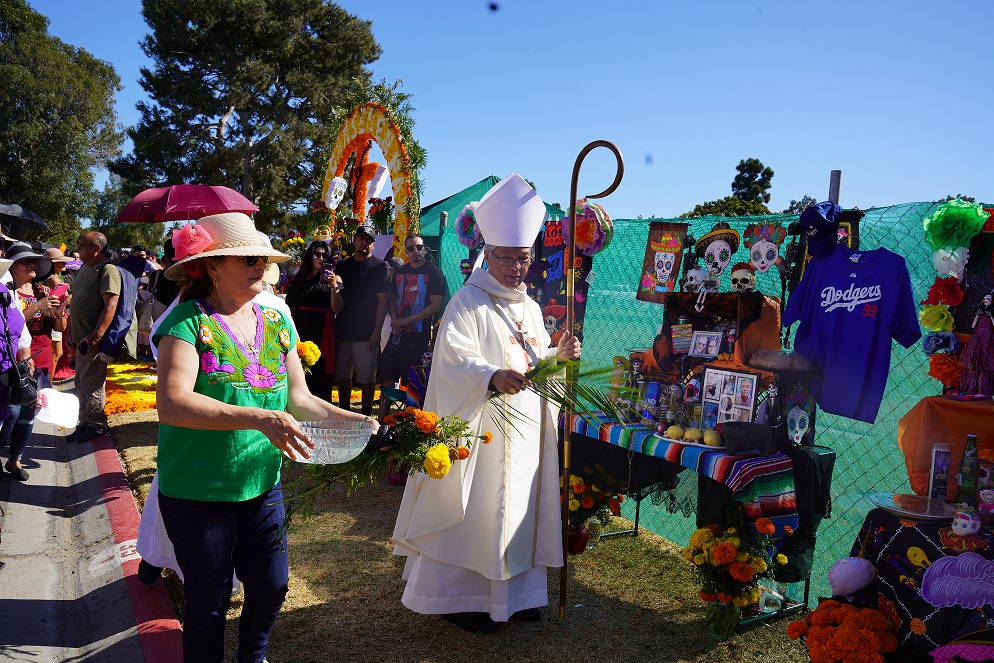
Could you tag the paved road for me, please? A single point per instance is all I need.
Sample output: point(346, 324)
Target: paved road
point(69, 590)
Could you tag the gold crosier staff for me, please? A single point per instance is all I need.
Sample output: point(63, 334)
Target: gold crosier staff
point(568, 413)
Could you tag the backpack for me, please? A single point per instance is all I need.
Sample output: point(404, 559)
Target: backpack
point(120, 343)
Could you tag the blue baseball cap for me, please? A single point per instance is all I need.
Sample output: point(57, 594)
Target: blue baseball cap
point(819, 224)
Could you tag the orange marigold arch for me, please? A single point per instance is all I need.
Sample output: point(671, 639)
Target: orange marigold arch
point(368, 123)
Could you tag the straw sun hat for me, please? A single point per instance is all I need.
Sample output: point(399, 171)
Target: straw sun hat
point(228, 234)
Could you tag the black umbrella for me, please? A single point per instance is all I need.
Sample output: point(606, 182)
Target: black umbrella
point(18, 217)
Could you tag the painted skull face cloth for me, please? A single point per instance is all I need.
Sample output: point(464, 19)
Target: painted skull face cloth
point(850, 305)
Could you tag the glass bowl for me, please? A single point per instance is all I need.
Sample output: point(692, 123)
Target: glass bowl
point(336, 441)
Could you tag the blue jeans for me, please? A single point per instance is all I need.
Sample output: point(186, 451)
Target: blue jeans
point(16, 429)
point(213, 539)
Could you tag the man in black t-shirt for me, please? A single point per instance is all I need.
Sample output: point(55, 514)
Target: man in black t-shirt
point(415, 298)
point(360, 305)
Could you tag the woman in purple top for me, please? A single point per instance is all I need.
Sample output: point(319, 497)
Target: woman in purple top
point(14, 339)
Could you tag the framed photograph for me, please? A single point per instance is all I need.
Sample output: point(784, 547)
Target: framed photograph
point(727, 396)
point(705, 344)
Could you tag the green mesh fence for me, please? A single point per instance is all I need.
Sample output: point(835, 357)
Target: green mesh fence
point(868, 459)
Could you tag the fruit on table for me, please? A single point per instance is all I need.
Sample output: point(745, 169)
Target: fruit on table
point(712, 438)
point(674, 432)
point(693, 435)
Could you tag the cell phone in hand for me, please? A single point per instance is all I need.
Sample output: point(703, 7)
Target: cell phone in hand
point(327, 272)
point(82, 348)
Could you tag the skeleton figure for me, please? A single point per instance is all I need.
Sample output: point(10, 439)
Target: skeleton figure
point(664, 267)
point(335, 192)
point(797, 424)
point(694, 280)
point(550, 324)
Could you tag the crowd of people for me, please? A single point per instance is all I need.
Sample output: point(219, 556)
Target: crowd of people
point(232, 391)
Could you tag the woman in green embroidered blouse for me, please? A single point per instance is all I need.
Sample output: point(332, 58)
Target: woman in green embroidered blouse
point(230, 392)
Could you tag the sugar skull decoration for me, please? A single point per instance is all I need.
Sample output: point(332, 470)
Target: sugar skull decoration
point(717, 248)
point(966, 522)
point(743, 277)
point(336, 192)
point(951, 262)
point(553, 314)
point(799, 412)
point(664, 271)
point(763, 241)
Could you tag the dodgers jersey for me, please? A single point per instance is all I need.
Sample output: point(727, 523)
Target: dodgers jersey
point(850, 305)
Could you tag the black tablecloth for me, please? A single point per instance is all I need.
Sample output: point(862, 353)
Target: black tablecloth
point(901, 550)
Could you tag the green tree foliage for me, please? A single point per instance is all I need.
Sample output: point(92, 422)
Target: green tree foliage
point(243, 94)
point(969, 199)
point(798, 206)
point(753, 181)
point(57, 122)
point(728, 206)
point(123, 235)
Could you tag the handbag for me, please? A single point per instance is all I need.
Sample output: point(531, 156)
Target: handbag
point(18, 380)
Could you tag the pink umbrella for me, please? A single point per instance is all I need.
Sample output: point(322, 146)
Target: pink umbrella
point(183, 201)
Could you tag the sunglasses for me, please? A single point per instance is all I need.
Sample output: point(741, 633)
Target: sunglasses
point(416, 247)
point(320, 254)
point(252, 261)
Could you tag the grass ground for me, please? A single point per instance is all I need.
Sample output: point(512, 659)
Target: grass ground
point(630, 599)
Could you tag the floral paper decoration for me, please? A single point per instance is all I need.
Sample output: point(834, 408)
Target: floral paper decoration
point(948, 230)
point(594, 228)
point(954, 224)
point(467, 230)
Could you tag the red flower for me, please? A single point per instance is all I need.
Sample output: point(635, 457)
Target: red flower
point(587, 502)
point(945, 369)
point(945, 291)
point(724, 553)
point(765, 526)
point(615, 506)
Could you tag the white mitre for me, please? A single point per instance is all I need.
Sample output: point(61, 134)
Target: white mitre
point(511, 213)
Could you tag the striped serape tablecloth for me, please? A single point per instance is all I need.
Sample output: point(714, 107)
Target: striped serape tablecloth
point(763, 485)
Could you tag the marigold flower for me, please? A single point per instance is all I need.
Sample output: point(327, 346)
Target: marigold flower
point(437, 463)
point(578, 488)
point(488, 437)
point(615, 506)
point(587, 502)
point(797, 629)
point(574, 504)
point(723, 553)
point(765, 526)
point(426, 422)
point(788, 530)
point(715, 529)
point(701, 537)
point(741, 571)
point(781, 559)
point(462, 452)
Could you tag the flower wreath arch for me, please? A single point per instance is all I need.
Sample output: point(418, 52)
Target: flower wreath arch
point(368, 123)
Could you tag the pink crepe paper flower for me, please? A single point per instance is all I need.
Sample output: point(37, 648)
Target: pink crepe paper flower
point(190, 240)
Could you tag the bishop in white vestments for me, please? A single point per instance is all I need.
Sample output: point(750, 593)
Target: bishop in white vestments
point(479, 541)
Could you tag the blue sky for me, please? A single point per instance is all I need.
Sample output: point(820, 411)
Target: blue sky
point(896, 95)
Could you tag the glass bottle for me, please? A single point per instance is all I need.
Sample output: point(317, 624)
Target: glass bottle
point(967, 477)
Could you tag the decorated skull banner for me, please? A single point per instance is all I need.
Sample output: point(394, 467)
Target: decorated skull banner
point(763, 241)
